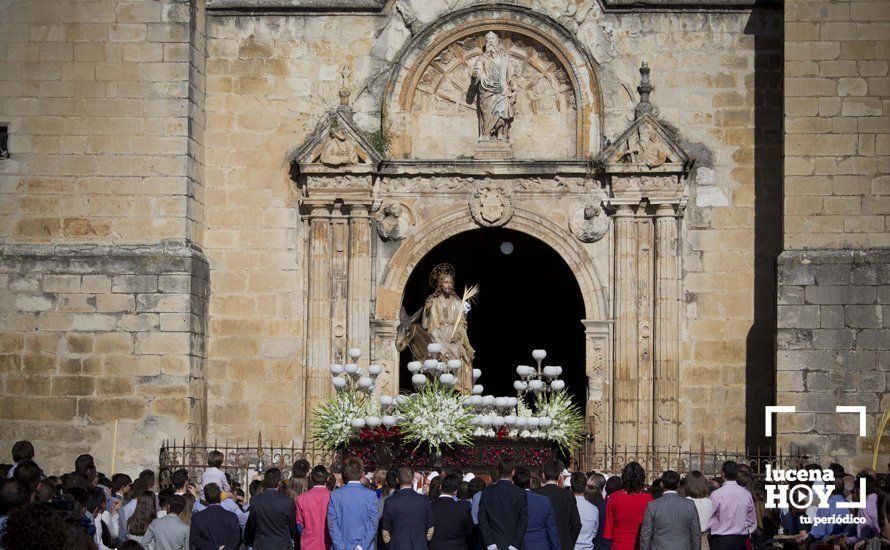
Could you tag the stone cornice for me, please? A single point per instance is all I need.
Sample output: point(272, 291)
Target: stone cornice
point(330, 7)
point(686, 5)
point(473, 167)
point(376, 7)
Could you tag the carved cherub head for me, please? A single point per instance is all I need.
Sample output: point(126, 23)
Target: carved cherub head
point(394, 209)
point(591, 212)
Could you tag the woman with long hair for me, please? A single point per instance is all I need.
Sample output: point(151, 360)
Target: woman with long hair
point(186, 514)
point(296, 486)
point(145, 512)
point(695, 488)
point(625, 507)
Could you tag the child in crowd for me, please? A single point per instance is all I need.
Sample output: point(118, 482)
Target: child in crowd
point(213, 474)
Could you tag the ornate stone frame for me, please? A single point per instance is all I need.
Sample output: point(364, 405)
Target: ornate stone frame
point(417, 54)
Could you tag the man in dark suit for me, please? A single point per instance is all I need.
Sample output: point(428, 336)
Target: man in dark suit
point(407, 522)
point(565, 509)
point(541, 530)
point(452, 521)
point(503, 512)
point(272, 523)
point(670, 522)
point(214, 527)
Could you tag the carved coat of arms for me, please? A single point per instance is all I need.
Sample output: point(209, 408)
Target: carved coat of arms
point(491, 205)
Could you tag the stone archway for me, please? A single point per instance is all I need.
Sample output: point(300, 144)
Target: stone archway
point(597, 324)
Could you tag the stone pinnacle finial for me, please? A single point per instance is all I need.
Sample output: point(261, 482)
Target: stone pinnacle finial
point(645, 88)
point(344, 85)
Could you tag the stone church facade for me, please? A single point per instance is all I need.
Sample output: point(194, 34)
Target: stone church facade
point(205, 203)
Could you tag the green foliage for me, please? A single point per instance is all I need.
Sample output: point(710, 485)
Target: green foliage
point(435, 415)
point(332, 421)
point(381, 140)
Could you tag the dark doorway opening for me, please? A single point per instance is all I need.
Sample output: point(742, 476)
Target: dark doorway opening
point(528, 299)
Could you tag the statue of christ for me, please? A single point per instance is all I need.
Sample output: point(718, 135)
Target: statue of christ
point(445, 318)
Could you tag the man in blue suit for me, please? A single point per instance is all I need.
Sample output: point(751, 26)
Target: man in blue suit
point(352, 513)
point(407, 522)
point(541, 532)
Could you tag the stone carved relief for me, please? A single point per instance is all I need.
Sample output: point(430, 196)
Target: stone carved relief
point(531, 185)
point(497, 104)
point(491, 205)
point(541, 84)
point(589, 223)
point(338, 150)
point(339, 182)
point(645, 146)
point(647, 185)
point(394, 222)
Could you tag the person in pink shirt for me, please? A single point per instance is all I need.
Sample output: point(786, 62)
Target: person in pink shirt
point(312, 512)
point(734, 517)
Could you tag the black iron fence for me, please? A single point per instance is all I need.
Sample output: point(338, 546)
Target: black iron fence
point(612, 459)
point(242, 461)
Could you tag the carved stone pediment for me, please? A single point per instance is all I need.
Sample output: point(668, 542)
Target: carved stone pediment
point(645, 147)
point(338, 145)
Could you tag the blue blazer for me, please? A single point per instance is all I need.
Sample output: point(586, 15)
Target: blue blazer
point(352, 517)
point(407, 517)
point(541, 531)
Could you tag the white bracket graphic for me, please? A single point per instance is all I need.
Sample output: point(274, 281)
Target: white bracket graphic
point(768, 421)
point(854, 409)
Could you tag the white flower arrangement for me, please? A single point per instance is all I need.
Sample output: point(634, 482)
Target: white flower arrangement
point(436, 415)
point(332, 423)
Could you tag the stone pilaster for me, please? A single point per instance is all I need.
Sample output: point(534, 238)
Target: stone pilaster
point(318, 333)
point(667, 316)
point(645, 369)
point(626, 329)
point(339, 255)
point(359, 284)
point(599, 375)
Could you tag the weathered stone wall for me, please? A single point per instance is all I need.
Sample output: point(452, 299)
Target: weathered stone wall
point(834, 349)
point(97, 97)
point(833, 275)
point(837, 125)
point(94, 334)
point(104, 102)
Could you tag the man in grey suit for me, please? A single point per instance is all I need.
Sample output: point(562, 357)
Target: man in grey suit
point(169, 532)
point(670, 522)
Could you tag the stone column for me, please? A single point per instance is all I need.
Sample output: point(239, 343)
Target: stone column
point(318, 322)
point(625, 349)
point(359, 284)
point(667, 323)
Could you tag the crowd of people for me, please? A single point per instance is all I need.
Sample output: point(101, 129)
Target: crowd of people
point(312, 508)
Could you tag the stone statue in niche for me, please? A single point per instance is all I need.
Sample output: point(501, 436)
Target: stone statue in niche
point(338, 150)
point(645, 147)
point(494, 88)
point(589, 224)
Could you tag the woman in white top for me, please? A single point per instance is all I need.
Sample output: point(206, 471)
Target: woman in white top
point(695, 488)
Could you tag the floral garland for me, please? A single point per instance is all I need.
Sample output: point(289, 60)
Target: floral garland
point(436, 415)
point(332, 421)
